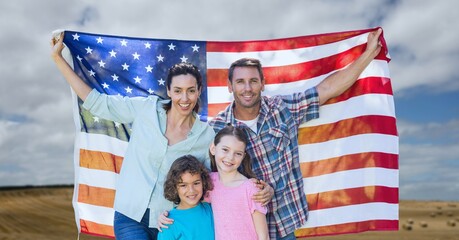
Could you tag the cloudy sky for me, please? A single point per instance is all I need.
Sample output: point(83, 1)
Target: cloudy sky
point(36, 123)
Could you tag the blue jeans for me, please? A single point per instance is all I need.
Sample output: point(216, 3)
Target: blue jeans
point(129, 229)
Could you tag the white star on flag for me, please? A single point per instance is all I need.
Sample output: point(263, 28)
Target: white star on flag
point(89, 50)
point(76, 37)
point(101, 64)
point(115, 77)
point(149, 68)
point(112, 53)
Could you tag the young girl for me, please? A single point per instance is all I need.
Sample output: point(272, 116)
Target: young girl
point(236, 215)
point(186, 185)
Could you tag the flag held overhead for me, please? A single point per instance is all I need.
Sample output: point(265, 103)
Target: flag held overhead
point(348, 157)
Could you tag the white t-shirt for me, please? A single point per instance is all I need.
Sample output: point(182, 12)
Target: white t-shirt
point(252, 124)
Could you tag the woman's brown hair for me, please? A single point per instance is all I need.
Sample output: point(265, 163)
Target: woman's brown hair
point(183, 69)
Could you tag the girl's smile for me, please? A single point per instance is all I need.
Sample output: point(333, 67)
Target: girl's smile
point(229, 153)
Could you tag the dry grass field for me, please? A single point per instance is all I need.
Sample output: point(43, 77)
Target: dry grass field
point(47, 213)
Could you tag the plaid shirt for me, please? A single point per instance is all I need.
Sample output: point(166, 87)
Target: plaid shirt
point(274, 152)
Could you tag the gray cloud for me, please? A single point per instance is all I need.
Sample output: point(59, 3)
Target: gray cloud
point(427, 171)
point(428, 157)
point(430, 133)
point(426, 46)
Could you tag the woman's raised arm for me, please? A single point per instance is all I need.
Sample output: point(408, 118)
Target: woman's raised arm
point(81, 88)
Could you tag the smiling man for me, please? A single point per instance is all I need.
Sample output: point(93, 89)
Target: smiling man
point(271, 125)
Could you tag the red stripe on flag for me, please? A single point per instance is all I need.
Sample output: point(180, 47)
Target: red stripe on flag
point(283, 43)
point(294, 72)
point(96, 160)
point(352, 196)
point(353, 227)
point(214, 108)
point(96, 196)
point(100, 160)
point(96, 229)
point(349, 162)
point(346, 128)
point(379, 85)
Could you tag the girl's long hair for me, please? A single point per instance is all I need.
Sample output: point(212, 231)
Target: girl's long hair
point(246, 165)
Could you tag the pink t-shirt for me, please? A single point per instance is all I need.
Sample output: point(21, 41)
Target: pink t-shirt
point(232, 208)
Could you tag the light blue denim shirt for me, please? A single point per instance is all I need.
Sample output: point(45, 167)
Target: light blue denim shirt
point(148, 157)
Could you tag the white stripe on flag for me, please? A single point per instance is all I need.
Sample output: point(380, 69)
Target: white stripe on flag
point(97, 178)
point(349, 145)
point(102, 143)
point(222, 60)
point(352, 214)
point(364, 105)
point(378, 68)
point(351, 179)
point(97, 214)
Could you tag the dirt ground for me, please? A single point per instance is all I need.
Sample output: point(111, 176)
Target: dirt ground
point(47, 213)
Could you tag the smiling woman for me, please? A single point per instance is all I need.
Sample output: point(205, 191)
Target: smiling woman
point(162, 131)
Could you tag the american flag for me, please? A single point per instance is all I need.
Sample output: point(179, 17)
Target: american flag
point(349, 156)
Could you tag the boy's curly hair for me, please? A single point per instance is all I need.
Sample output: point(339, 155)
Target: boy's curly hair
point(181, 165)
